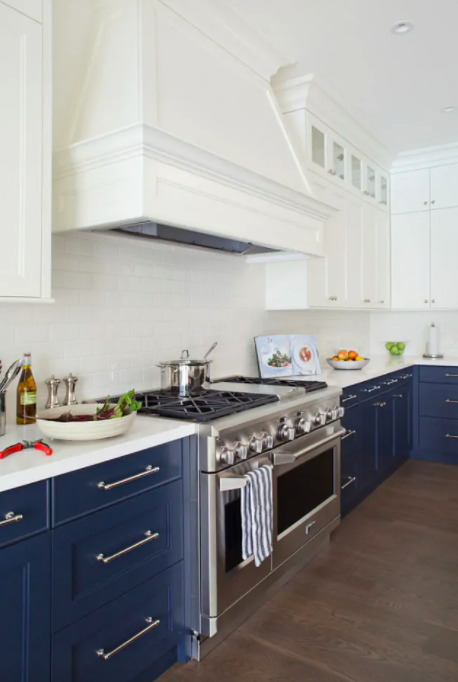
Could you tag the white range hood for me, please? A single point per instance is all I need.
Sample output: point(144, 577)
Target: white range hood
point(164, 114)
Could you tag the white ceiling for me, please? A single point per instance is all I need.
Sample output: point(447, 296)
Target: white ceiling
point(396, 86)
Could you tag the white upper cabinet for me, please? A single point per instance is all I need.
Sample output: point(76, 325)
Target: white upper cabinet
point(444, 250)
point(444, 186)
point(24, 140)
point(411, 263)
point(410, 191)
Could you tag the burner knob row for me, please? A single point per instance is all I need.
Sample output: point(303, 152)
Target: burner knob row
point(259, 444)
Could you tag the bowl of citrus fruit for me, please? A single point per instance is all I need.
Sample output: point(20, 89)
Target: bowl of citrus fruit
point(395, 347)
point(347, 359)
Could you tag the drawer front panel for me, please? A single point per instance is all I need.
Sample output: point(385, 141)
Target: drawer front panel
point(98, 486)
point(350, 396)
point(439, 375)
point(102, 556)
point(350, 481)
point(23, 512)
point(440, 435)
point(120, 640)
point(351, 441)
point(439, 401)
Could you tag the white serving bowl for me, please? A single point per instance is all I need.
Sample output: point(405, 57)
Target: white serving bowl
point(82, 430)
point(353, 364)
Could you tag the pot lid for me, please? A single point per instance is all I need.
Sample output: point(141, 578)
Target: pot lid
point(184, 360)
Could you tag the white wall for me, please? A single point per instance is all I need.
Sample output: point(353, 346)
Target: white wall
point(123, 305)
point(413, 329)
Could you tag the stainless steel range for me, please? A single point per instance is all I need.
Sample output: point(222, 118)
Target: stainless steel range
point(245, 423)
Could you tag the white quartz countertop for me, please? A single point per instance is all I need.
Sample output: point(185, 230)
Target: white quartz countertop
point(29, 466)
point(378, 366)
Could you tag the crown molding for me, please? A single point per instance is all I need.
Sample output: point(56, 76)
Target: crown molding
point(311, 94)
point(140, 140)
point(428, 157)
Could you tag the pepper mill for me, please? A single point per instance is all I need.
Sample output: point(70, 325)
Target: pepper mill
point(70, 397)
point(53, 387)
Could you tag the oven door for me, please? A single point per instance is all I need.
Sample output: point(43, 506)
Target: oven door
point(306, 487)
point(225, 576)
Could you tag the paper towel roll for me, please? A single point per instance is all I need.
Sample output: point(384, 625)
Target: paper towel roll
point(433, 341)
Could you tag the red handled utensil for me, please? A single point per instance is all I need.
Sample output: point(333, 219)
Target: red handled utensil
point(25, 445)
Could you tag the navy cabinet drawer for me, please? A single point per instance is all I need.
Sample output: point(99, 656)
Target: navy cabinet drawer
point(439, 401)
point(108, 553)
point(439, 375)
point(350, 481)
point(23, 512)
point(440, 435)
point(120, 640)
point(98, 486)
point(351, 441)
point(350, 396)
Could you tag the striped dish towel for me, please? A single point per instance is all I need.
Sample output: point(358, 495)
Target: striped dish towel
point(257, 515)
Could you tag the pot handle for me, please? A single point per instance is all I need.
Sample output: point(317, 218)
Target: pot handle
point(184, 354)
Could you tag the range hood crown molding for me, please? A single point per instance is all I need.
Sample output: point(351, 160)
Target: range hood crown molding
point(172, 120)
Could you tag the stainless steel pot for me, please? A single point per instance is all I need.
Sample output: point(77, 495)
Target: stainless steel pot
point(185, 375)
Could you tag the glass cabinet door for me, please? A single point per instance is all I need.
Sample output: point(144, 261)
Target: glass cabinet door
point(383, 190)
point(318, 147)
point(370, 182)
point(356, 174)
point(338, 160)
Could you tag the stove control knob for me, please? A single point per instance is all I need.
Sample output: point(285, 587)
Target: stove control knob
point(335, 412)
point(226, 456)
point(286, 431)
point(257, 444)
point(241, 451)
point(302, 426)
point(267, 441)
point(341, 411)
point(320, 419)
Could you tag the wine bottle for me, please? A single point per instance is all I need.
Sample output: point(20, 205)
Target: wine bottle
point(26, 394)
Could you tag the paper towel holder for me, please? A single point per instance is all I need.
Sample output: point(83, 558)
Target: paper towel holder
point(433, 356)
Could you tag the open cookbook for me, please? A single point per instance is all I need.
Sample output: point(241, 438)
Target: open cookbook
point(284, 356)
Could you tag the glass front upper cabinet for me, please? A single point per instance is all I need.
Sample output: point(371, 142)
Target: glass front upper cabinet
point(356, 176)
point(338, 160)
point(383, 190)
point(370, 182)
point(318, 147)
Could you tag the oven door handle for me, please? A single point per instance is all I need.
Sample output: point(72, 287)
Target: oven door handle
point(227, 483)
point(290, 457)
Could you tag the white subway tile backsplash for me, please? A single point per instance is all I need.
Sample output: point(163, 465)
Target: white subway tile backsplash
point(63, 332)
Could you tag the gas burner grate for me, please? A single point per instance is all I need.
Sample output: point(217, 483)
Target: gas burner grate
point(307, 385)
point(202, 406)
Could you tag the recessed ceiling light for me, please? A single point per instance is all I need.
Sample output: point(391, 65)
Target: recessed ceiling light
point(402, 27)
point(448, 110)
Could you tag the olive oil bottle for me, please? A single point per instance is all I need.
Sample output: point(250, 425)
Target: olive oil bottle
point(26, 394)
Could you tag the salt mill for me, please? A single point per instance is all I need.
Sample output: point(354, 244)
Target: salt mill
point(53, 387)
point(70, 397)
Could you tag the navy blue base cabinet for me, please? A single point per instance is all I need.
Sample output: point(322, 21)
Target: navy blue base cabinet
point(25, 610)
point(437, 414)
point(379, 426)
point(94, 590)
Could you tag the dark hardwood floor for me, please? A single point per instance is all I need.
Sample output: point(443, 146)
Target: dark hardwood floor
point(380, 605)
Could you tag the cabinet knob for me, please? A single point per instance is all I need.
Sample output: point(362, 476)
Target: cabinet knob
point(367, 300)
point(425, 203)
point(426, 300)
point(382, 301)
point(433, 300)
point(434, 201)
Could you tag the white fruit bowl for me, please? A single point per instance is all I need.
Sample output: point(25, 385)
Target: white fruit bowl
point(82, 430)
point(351, 365)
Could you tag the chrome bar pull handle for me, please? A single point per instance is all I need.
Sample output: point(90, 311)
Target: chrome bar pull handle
point(452, 375)
point(290, 457)
point(148, 471)
point(450, 435)
point(11, 517)
point(149, 536)
point(348, 434)
point(451, 401)
point(228, 483)
point(351, 479)
point(107, 655)
point(350, 397)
